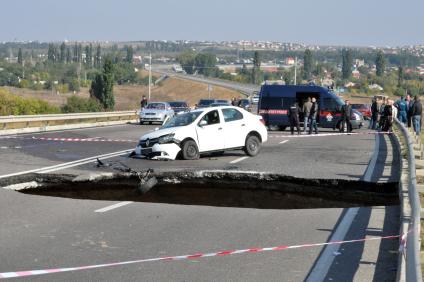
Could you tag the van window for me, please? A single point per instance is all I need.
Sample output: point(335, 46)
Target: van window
point(276, 103)
point(329, 104)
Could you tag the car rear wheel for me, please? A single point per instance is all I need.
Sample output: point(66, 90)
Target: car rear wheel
point(190, 150)
point(253, 145)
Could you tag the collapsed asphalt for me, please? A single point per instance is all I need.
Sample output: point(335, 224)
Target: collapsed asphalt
point(39, 231)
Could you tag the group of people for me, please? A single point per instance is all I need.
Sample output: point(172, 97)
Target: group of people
point(310, 116)
point(406, 110)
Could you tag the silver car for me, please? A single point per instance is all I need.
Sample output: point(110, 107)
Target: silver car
point(156, 112)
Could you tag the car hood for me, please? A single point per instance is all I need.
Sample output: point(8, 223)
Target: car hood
point(159, 133)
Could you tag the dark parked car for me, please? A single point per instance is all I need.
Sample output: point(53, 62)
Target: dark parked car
point(179, 106)
point(245, 104)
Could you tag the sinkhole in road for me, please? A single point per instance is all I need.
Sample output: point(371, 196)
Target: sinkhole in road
point(227, 190)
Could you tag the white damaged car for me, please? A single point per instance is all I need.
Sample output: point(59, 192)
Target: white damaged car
point(208, 130)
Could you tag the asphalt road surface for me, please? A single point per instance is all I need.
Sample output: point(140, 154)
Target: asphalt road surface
point(42, 232)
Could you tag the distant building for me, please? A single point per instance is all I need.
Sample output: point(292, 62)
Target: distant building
point(356, 74)
point(289, 61)
point(375, 86)
point(359, 63)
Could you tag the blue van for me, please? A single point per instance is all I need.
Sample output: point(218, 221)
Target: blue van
point(275, 101)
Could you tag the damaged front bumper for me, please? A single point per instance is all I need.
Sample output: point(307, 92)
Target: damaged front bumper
point(158, 151)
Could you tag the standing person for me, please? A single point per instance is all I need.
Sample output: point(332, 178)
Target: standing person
point(313, 116)
point(374, 114)
point(382, 119)
point(416, 115)
point(233, 101)
point(346, 114)
point(402, 110)
point(306, 112)
point(294, 118)
point(143, 102)
point(388, 116)
point(409, 105)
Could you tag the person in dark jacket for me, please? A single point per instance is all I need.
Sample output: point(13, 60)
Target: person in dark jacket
point(374, 114)
point(402, 110)
point(143, 102)
point(417, 110)
point(346, 114)
point(294, 118)
point(388, 117)
point(409, 105)
point(313, 114)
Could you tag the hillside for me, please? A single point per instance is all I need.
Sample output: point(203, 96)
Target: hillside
point(127, 97)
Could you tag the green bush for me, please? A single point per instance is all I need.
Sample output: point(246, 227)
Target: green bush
point(76, 104)
point(15, 105)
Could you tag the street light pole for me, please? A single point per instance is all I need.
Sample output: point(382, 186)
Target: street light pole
point(150, 74)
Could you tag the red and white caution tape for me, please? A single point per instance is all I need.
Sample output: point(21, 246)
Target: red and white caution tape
point(184, 257)
point(326, 134)
point(95, 139)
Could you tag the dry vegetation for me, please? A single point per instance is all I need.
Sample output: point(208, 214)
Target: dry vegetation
point(127, 97)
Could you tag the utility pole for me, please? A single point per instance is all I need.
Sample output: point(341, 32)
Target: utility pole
point(295, 70)
point(150, 74)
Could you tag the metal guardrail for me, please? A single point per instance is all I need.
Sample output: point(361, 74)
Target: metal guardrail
point(412, 259)
point(25, 121)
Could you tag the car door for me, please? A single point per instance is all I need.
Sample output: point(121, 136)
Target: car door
point(235, 128)
point(210, 132)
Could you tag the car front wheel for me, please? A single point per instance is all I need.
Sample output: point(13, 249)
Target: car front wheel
point(252, 146)
point(190, 150)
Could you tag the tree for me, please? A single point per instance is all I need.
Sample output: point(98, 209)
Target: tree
point(68, 55)
point(206, 64)
point(400, 76)
point(62, 52)
point(380, 63)
point(75, 53)
point(102, 86)
point(98, 58)
point(20, 57)
point(187, 61)
point(88, 55)
point(130, 54)
point(256, 67)
point(347, 63)
point(51, 53)
point(307, 64)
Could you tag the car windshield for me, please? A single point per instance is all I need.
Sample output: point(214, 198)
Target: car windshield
point(178, 104)
point(156, 106)
point(182, 119)
point(206, 102)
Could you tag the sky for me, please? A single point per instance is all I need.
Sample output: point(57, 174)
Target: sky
point(324, 22)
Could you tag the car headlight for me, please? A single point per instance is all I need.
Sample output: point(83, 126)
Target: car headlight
point(166, 138)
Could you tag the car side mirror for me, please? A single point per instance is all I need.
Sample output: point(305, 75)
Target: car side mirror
point(203, 123)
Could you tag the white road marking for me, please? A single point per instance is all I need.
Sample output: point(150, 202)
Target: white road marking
point(115, 206)
point(320, 270)
point(238, 160)
point(284, 141)
point(68, 164)
point(371, 165)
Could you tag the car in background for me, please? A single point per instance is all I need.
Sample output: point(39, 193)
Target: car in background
point(179, 106)
point(156, 112)
point(201, 131)
point(220, 104)
point(365, 109)
point(245, 104)
point(357, 119)
point(204, 103)
point(255, 99)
